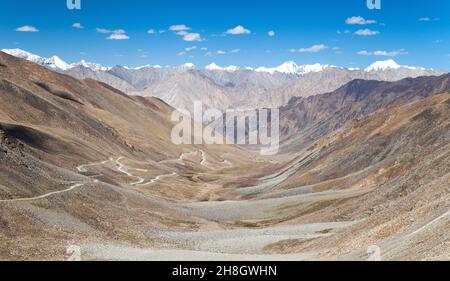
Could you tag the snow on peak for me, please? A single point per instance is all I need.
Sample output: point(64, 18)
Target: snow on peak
point(90, 65)
point(383, 65)
point(213, 66)
point(186, 66)
point(291, 67)
point(57, 63)
point(317, 67)
point(230, 68)
point(142, 67)
point(288, 67)
point(53, 62)
point(21, 54)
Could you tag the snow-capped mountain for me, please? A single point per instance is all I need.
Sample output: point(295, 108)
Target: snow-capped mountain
point(54, 62)
point(383, 65)
point(187, 66)
point(389, 64)
point(288, 67)
point(230, 68)
point(291, 67)
point(90, 65)
point(231, 85)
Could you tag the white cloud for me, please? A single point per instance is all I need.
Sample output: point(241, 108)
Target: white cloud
point(151, 31)
point(179, 27)
point(204, 49)
point(102, 30)
point(182, 30)
point(390, 54)
point(383, 53)
point(118, 36)
point(181, 53)
point(192, 37)
point(271, 33)
point(77, 25)
point(27, 28)
point(359, 20)
point(190, 48)
point(364, 53)
point(238, 30)
point(222, 52)
point(428, 19)
point(336, 48)
point(366, 32)
point(313, 49)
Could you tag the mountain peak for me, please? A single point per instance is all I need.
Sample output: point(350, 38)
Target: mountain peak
point(187, 66)
point(22, 54)
point(213, 66)
point(230, 68)
point(383, 65)
point(90, 65)
point(53, 62)
point(56, 62)
point(290, 67)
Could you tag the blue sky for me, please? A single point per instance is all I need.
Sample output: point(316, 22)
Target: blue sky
point(344, 32)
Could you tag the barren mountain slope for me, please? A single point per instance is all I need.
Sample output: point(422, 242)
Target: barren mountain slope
point(398, 160)
point(82, 72)
point(328, 80)
point(305, 120)
point(78, 158)
point(182, 90)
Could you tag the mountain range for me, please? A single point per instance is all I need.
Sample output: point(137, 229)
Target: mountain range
point(228, 87)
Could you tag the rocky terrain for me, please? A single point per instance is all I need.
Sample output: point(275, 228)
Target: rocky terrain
point(86, 165)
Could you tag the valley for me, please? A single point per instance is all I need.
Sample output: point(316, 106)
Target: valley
point(364, 163)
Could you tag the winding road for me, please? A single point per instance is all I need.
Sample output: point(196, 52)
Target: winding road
point(121, 168)
point(72, 187)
